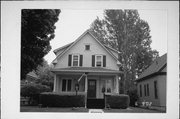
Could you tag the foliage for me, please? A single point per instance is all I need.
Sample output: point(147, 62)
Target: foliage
point(45, 75)
point(37, 29)
point(33, 90)
point(132, 92)
point(56, 100)
point(124, 31)
point(117, 101)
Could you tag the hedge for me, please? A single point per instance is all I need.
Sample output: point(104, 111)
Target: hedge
point(117, 101)
point(32, 91)
point(50, 99)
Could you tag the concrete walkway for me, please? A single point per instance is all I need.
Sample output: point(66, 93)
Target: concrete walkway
point(96, 111)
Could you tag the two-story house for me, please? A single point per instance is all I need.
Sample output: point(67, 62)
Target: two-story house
point(88, 65)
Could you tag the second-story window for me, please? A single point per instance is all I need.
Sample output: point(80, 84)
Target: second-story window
point(98, 60)
point(75, 60)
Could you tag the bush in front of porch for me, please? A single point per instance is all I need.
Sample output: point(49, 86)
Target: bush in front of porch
point(117, 101)
point(50, 99)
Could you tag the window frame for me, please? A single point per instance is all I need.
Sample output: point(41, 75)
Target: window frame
point(96, 60)
point(147, 89)
point(106, 86)
point(77, 60)
point(66, 85)
point(155, 90)
point(140, 88)
point(86, 47)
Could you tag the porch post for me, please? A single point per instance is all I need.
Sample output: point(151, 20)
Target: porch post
point(86, 84)
point(54, 89)
point(117, 84)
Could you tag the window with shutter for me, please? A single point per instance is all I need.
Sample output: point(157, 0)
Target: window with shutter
point(75, 60)
point(99, 60)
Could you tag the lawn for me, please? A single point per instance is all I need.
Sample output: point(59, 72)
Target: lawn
point(83, 110)
point(132, 110)
point(51, 109)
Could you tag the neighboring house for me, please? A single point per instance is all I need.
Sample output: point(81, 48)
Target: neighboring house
point(89, 64)
point(31, 77)
point(151, 83)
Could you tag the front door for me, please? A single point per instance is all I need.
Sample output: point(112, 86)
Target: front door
point(91, 89)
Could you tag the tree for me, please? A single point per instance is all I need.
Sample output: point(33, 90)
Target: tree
point(46, 77)
point(37, 29)
point(130, 35)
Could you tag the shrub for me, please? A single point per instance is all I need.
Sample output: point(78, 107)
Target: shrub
point(50, 99)
point(48, 83)
point(132, 92)
point(117, 101)
point(32, 91)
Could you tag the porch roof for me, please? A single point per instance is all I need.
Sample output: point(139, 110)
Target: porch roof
point(86, 69)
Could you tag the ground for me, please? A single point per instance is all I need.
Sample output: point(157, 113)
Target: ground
point(53, 109)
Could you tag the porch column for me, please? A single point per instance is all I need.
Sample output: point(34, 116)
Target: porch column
point(117, 84)
point(86, 85)
point(54, 89)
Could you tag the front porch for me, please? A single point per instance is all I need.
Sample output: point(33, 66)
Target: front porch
point(91, 84)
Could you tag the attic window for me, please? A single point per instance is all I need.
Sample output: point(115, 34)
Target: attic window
point(87, 47)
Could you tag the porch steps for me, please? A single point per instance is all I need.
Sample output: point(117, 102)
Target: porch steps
point(95, 103)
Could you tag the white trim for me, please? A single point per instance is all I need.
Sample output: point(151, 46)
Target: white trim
point(73, 60)
point(101, 60)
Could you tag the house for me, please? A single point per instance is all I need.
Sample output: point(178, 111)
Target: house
point(151, 84)
point(86, 66)
point(31, 77)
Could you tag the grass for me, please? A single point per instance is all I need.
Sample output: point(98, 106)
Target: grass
point(131, 110)
point(51, 109)
point(84, 110)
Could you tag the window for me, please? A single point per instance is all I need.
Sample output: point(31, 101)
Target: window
point(140, 87)
point(147, 89)
point(98, 61)
point(66, 84)
point(155, 90)
point(75, 60)
point(144, 90)
point(87, 47)
point(108, 86)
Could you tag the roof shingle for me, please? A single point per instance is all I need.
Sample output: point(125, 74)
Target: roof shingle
point(159, 65)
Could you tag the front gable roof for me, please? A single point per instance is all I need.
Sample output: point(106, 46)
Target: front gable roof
point(156, 67)
point(70, 45)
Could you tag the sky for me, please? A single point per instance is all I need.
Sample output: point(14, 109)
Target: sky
point(73, 23)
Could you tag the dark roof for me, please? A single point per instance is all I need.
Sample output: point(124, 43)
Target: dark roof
point(158, 66)
point(86, 69)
